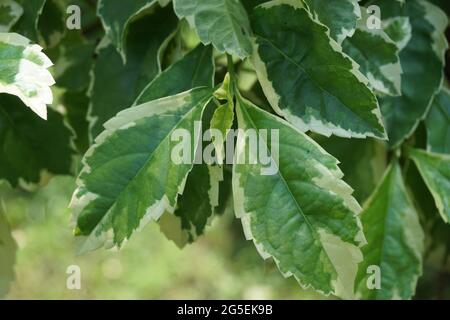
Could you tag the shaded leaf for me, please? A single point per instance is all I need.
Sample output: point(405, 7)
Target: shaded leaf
point(438, 123)
point(10, 12)
point(362, 161)
point(29, 145)
point(435, 171)
point(224, 23)
point(115, 85)
point(27, 25)
point(395, 242)
point(195, 69)
point(422, 64)
point(117, 17)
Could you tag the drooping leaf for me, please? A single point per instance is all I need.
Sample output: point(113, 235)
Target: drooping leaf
point(224, 23)
point(10, 12)
point(8, 250)
point(422, 65)
point(306, 77)
point(23, 72)
point(30, 146)
point(340, 16)
point(115, 85)
point(299, 212)
point(117, 17)
point(377, 56)
point(362, 161)
point(393, 255)
point(197, 204)
point(27, 25)
point(438, 124)
point(435, 171)
point(195, 69)
point(129, 177)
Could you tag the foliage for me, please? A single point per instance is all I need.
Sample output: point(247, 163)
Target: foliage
point(362, 118)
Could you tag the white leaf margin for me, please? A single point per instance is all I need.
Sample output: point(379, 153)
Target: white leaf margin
point(30, 75)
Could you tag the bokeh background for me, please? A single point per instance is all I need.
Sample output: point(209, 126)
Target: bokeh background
point(220, 265)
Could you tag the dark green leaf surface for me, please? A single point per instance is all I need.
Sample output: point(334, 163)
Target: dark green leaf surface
point(30, 145)
point(438, 124)
point(115, 85)
point(10, 12)
point(116, 18)
point(362, 161)
point(74, 57)
point(195, 69)
point(395, 241)
point(435, 171)
point(422, 64)
point(28, 22)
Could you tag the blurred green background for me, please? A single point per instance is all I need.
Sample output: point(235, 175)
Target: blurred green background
point(220, 265)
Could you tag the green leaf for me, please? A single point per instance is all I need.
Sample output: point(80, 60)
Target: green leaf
point(306, 77)
point(76, 104)
point(362, 161)
point(224, 23)
point(129, 177)
point(195, 207)
point(395, 241)
point(435, 171)
point(52, 23)
point(117, 17)
point(8, 250)
point(438, 123)
point(399, 30)
point(27, 25)
point(115, 85)
point(74, 57)
point(223, 116)
point(422, 64)
point(30, 146)
point(302, 214)
point(340, 16)
point(24, 72)
point(377, 56)
point(195, 69)
point(196, 204)
point(10, 12)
